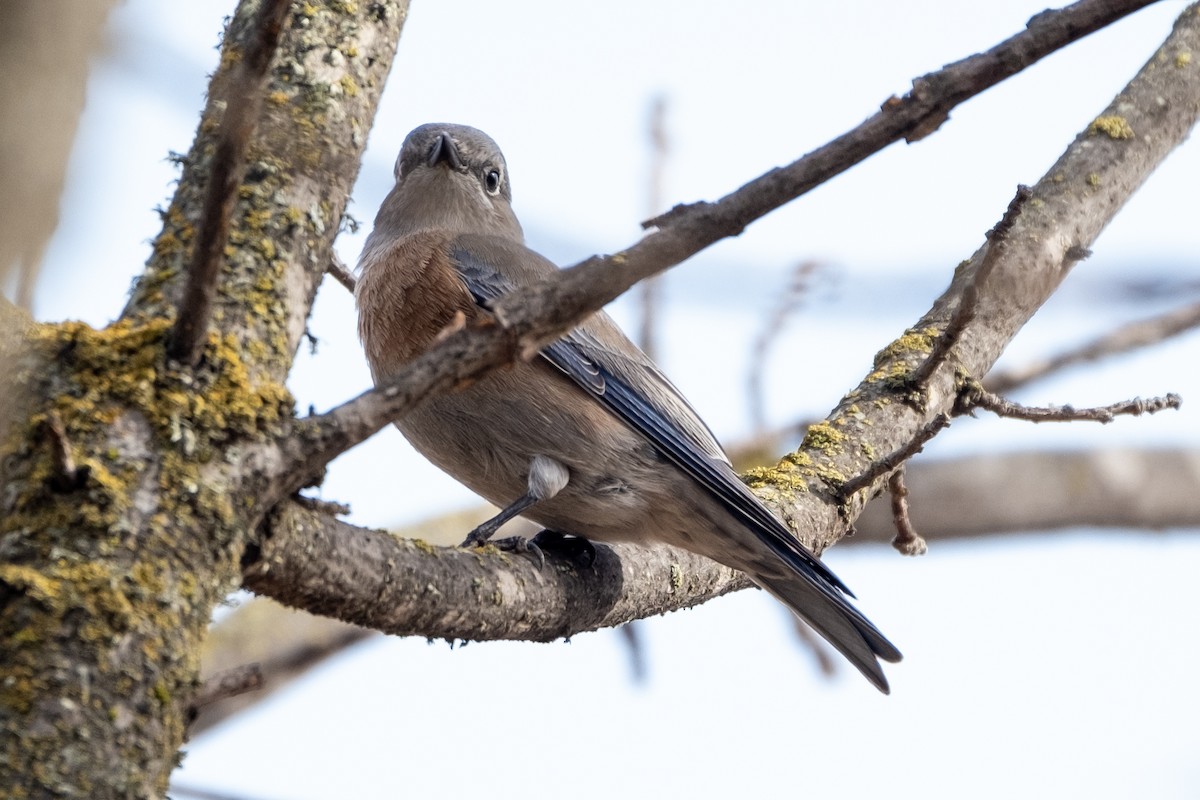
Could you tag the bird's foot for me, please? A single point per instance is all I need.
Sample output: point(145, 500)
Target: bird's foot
point(576, 549)
point(519, 544)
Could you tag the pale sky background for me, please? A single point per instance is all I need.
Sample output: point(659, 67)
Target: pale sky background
point(1046, 665)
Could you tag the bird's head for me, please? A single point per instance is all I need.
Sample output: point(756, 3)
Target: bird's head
point(450, 177)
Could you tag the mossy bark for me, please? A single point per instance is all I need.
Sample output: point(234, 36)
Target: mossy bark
point(108, 575)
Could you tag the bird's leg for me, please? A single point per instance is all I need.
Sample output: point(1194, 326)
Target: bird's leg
point(547, 477)
point(484, 531)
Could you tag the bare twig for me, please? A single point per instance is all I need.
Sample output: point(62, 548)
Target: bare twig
point(965, 312)
point(547, 309)
point(896, 458)
point(974, 396)
point(815, 645)
point(651, 288)
point(341, 273)
point(283, 643)
point(243, 101)
point(230, 683)
point(799, 287)
point(907, 541)
point(912, 117)
point(635, 647)
point(1132, 336)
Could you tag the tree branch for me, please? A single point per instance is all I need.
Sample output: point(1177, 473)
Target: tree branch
point(341, 274)
point(1126, 338)
point(1151, 490)
point(883, 466)
point(243, 99)
point(312, 561)
point(965, 312)
point(974, 396)
point(907, 541)
point(406, 587)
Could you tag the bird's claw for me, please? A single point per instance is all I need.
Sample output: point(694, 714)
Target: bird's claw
point(513, 544)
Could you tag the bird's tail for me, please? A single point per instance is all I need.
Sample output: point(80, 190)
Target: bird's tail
point(828, 611)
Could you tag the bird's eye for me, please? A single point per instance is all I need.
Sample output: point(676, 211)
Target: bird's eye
point(492, 179)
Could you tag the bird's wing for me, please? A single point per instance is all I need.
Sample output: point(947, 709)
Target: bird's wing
point(602, 361)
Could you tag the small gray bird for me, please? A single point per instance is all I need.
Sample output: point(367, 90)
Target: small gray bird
point(589, 439)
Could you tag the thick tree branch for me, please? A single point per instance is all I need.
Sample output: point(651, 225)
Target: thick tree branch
point(107, 590)
point(407, 587)
point(301, 160)
point(1146, 490)
point(950, 499)
point(243, 99)
point(547, 310)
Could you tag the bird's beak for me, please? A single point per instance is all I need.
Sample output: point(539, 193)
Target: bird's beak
point(444, 149)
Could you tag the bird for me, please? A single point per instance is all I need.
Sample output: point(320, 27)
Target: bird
point(588, 438)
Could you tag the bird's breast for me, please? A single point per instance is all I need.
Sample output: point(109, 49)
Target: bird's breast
point(408, 293)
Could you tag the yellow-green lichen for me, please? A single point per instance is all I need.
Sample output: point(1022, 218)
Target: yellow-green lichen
point(824, 437)
point(1093, 179)
point(424, 546)
point(1111, 125)
point(913, 342)
point(1182, 59)
point(785, 480)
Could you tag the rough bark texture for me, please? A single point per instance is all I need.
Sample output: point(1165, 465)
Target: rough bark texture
point(107, 583)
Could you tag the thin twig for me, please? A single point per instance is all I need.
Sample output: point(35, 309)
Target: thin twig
point(341, 273)
point(975, 396)
point(815, 645)
point(907, 541)
point(243, 101)
point(651, 288)
point(230, 683)
point(1132, 336)
point(897, 457)
point(997, 239)
point(799, 288)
